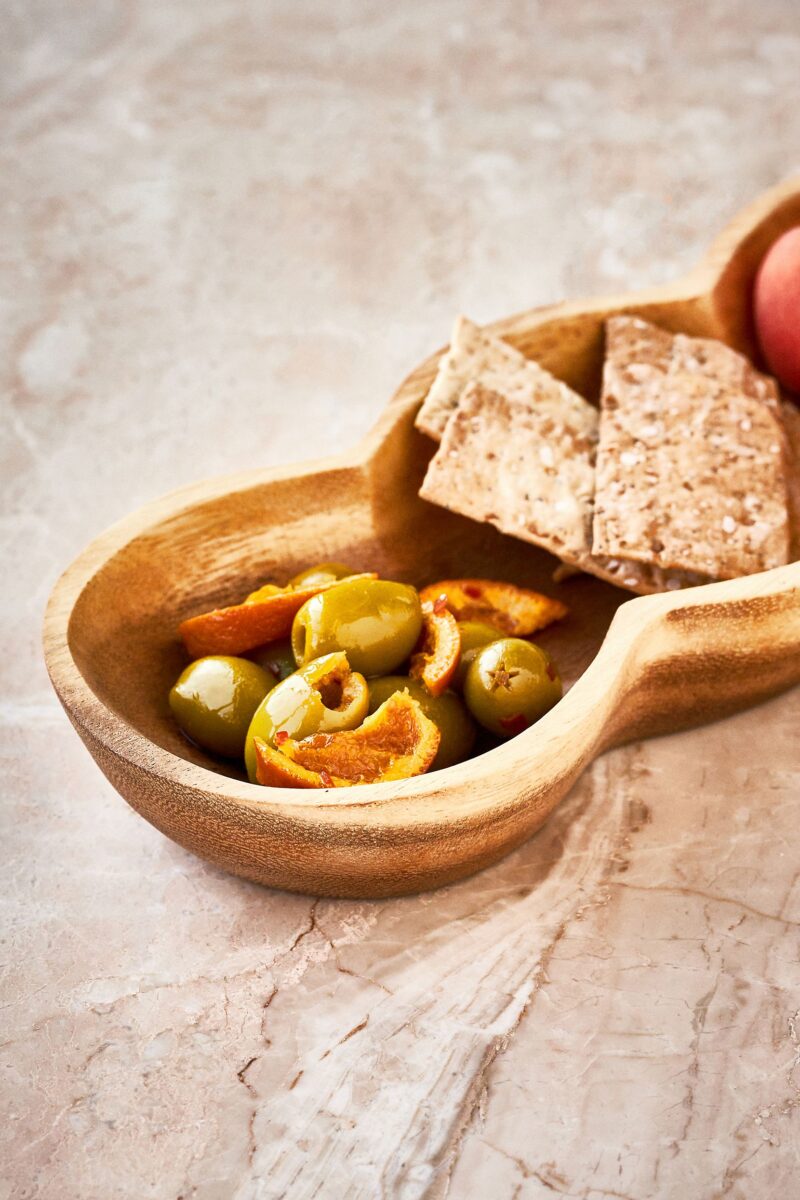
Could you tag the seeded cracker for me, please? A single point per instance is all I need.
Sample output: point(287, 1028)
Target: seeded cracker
point(791, 423)
point(475, 356)
point(527, 467)
point(519, 466)
point(691, 461)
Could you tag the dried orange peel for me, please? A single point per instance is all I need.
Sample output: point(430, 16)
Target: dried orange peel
point(276, 770)
point(436, 660)
point(396, 742)
point(264, 616)
point(516, 611)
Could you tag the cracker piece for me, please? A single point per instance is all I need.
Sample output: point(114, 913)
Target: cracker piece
point(691, 460)
point(519, 467)
point(527, 467)
point(477, 356)
point(791, 423)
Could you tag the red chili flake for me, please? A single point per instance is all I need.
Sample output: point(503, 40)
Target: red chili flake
point(280, 737)
point(326, 778)
point(550, 671)
point(515, 724)
point(440, 604)
point(473, 592)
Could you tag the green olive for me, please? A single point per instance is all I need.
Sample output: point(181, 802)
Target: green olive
point(474, 635)
point(321, 697)
point(214, 700)
point(447, 711)
point(375, 622)
point(510, 684)
point(263, 593)
point(321, 573)
point(276, 657)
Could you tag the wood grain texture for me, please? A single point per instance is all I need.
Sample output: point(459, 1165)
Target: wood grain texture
point(665, 662)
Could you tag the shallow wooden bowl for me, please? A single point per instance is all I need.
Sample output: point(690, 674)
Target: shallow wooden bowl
point(638, 666)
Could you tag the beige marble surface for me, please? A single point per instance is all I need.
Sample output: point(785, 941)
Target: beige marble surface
point(228, 229)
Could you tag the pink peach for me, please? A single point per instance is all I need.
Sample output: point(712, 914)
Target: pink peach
point(776, 304)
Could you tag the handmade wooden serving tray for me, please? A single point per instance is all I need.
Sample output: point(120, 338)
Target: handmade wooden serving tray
point(638, 666)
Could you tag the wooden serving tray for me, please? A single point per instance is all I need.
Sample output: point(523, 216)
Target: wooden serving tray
point(638, 666)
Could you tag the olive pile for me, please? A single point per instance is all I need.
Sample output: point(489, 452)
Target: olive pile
point(346, 655)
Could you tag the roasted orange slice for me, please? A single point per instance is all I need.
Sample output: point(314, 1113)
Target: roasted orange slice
point(276, 770)
point(514, 610)
point(396, 742)
point(436, 659)
point(264, 616)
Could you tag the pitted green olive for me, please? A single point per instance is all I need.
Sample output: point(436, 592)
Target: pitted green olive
point(321, 697)
point(447, 711)
point(320, 573)
point(375, 622)
point(263, 593)
point(214, 699)
point(510, 684)
point(276, 657)
point(474, 635)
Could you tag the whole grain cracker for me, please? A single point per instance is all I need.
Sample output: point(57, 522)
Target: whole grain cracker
point(527, 467)
point(477, 356)
point(791, 424)
point(690, 464)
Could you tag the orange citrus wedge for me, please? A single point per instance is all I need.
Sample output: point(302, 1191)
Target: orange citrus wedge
point(263, 617)
point(516, 611)
point(436, 659)
point(396, 742)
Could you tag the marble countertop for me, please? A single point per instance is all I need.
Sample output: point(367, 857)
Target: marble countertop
point(228, 230)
